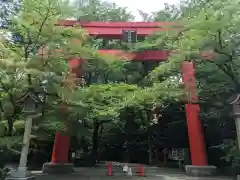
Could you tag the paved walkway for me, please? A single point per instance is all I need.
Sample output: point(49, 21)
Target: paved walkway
point(101, 174)
point(80, 177)
point(184, 177)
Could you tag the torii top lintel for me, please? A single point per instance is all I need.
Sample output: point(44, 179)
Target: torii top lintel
point(114, 29)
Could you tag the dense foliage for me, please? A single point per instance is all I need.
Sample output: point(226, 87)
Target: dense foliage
point(117, 106)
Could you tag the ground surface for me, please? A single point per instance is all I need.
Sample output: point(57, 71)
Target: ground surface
point(101, 174)
point(79, 177)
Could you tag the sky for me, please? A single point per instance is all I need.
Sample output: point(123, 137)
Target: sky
point(146, 6)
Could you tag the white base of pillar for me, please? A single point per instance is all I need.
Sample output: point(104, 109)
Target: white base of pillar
point(21, 174)
point(201, 170)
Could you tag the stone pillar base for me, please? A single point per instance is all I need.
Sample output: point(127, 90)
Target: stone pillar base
point(57, 168)
point(21, 178)
point(21, 174)
point(200, 170)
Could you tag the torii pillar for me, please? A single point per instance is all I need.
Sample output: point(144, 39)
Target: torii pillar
point(60, 154)
point(197, 145)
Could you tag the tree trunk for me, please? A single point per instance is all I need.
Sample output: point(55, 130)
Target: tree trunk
point(149, 150)
point(10, 125)
point(99, 141)
point(95, 143)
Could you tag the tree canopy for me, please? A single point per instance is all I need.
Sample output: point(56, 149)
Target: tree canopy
point(107, 103)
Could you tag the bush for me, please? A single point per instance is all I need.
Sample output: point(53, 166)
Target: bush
point(4, 172)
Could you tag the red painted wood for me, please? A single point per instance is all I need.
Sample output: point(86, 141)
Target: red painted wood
point(188, 77)
point(195, 134)
point(60, 148)
point(114, 29)
point(151, 55)
point(74, 63)
point(117, 24)
point(61, 144)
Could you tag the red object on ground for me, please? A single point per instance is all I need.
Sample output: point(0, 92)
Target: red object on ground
point(139, 168)
point(142, 171)
point(109, 169)
point(60, 148)
point(195, 134)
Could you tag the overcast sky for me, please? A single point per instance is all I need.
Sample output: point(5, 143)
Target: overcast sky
point(146, 6)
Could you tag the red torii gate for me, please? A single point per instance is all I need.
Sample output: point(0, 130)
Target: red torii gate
point(113, 30)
